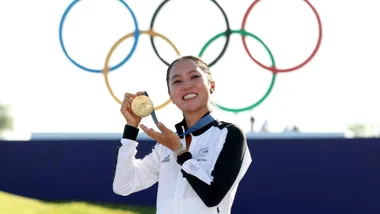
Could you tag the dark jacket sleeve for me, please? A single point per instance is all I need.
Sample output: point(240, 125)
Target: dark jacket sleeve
point(226, 169)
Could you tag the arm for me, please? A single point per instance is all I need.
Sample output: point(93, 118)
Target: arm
point(133, 175)
point(212, 189)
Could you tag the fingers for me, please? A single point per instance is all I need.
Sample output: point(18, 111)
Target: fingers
point(163, 128)
point(128, 97)
point(139, 93)
point(151, 133)
point(126, 104)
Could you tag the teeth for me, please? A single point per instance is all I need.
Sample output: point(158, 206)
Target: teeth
point(189, 96)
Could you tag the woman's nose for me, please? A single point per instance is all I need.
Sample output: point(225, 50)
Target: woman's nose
point(187, 85)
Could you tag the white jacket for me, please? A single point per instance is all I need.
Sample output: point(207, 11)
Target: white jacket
point(201, 181)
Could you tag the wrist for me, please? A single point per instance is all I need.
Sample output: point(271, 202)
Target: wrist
point(179, 150)
point(181, 159)
point(177, 147)
point(136, 125)
point(130, 132)
point(180, 153)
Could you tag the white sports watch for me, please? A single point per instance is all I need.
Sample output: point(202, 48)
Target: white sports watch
point(178, 151)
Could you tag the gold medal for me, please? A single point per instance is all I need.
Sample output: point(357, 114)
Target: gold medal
point(142, 106)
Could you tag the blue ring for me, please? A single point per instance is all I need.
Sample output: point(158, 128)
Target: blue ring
point(136, 34)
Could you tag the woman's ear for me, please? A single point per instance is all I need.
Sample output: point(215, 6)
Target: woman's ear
point(212, 88)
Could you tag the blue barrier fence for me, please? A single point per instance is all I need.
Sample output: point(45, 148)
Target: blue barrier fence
point(298, 176)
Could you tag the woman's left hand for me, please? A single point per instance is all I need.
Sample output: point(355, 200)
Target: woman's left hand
point(167, 138)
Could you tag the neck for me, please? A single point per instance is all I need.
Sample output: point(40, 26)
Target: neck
point(193, 117)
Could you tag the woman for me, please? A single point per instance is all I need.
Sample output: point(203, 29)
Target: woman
point(197, 173)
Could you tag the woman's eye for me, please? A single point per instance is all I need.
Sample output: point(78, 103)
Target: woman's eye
point(177, 81)
point(194, 77)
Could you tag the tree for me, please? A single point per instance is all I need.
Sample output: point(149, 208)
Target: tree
point(6, 120)
point(363, 130)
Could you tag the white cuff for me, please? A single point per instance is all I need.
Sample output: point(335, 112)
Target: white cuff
point(129, 143)
point(127, 150)
point(192, 167)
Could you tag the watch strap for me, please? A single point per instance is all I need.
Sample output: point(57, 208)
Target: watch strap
point(178, 151)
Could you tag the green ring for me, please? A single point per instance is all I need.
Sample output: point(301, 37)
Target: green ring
point(243, 33)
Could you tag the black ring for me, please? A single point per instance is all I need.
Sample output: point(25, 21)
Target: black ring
point(228, 33)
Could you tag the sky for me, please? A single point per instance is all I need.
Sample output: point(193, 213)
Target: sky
point(48, 93)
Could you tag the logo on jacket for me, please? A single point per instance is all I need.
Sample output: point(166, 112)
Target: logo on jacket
point(166, 159)
point(202, 154)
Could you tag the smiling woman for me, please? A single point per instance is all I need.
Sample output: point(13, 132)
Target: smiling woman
point(211, 155)
point(189, 85)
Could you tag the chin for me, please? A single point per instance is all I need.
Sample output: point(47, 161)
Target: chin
point(190, 108)
point(193, 107)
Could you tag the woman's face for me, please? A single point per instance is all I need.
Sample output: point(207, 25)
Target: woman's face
point(189, 86)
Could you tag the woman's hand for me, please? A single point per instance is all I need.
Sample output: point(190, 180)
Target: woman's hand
point(126, 110)
point(167, 138)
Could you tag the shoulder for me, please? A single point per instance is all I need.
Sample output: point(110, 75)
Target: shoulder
point(232, 129)
point(232, 141)
point(229, 133)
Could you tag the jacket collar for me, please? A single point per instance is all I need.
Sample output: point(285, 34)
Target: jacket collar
point(182, 127)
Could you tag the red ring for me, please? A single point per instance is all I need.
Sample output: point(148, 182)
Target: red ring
point(274, 69)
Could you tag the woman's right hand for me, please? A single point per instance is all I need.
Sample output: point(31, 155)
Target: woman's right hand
point(126, 110)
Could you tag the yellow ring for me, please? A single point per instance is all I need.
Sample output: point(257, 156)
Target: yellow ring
point(105, 70)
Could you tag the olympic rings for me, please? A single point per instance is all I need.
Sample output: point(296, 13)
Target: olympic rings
point(274, 69)
point(244, 33)
point(226, 33)
point(136, 34)
point(106, 70)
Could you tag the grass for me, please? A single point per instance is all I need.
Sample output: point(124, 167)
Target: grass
point(14, 204)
